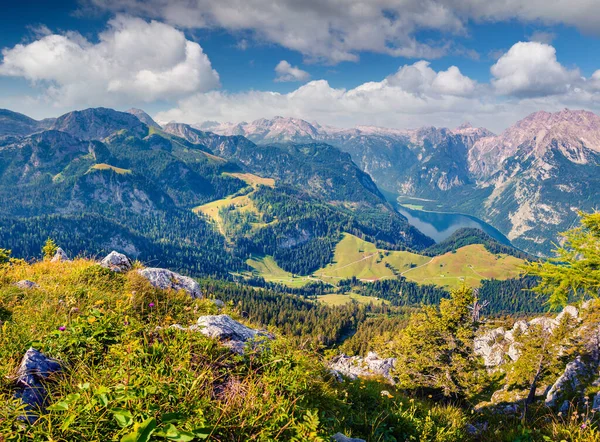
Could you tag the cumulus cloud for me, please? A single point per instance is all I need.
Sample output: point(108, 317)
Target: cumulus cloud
point(527, 78)
point(420, 79)
point(415, 94)
point(338, 30)
point(331, 31)
point(133, 60)
point(287, 72)
point(531, 69)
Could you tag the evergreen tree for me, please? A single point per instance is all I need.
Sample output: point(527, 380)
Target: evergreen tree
point(575, 271)
point(436, 348)
point(49, 249)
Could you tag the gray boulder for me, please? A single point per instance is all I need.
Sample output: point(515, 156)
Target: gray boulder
point(117, 262)
point(370, 366)
point(568, 383)
point(25, 284)
point(34, 370)
point(233, 334)
point(596, 403)
point(218, 303)
point(60, 256)
point(339, 437)
point(166, 279)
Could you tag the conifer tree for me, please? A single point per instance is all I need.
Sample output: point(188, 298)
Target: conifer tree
point(435, 350)
point(575, 271)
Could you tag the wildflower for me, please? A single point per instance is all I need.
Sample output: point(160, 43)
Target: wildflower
point(151, 305)
point(62, 328)
point(583, 426)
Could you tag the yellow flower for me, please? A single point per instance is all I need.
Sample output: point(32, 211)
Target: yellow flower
point(91, 319)
point(99, 302)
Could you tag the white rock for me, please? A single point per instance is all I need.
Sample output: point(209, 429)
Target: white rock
point(116, 262)
point(569, 382)
point(233, 334)
point(26, 284)
point(371, 365)
point(166, 279)
point(568, 310)
point(60, 256)
point(491, 346)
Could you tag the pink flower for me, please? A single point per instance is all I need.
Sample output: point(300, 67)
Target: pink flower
point(151, 305)
point(62, 328)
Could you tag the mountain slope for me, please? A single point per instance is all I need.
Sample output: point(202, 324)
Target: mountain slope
point(107, 168)
point(529, 182)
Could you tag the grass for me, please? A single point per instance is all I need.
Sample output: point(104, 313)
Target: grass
point(104, 166)
point(253, 180)
point(335, 299)
point(128, 376)
point(267, 268)
point(242, 203)
point(470, 264)
point(356, 257)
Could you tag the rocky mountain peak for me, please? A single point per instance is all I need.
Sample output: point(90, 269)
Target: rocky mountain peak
point(574, 133)
point(143, 117)
point(98, 123)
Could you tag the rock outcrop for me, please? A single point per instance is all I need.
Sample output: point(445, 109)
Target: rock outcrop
point(497, 346)
point(25, 284)
point(230, 332)
point(370, 366)
point(60, 256)
point(166, 279)
point(569, 383)
point(34, 370)
point(117, 262)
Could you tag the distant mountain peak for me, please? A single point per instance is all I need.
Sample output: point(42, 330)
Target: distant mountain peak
point(143, 117)
point(98, 123)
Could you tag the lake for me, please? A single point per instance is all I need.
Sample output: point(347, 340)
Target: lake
point(440, 225)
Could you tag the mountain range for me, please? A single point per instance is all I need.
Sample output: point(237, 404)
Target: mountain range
point(529, 182)
point(99, 179)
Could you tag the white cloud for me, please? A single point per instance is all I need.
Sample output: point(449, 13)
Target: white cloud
point(133, 61)
point(413, 96)
point(287, 72)
point(452, 82)
point(330, 31)
point(527, 78)
point(420, 79)
point(531, 69)
point(338, 30)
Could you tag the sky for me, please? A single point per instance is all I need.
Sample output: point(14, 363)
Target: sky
point(391, 63)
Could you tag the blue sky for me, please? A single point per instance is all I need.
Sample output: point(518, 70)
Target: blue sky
point(341, 62)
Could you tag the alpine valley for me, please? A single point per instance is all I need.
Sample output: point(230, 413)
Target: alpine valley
point(252, 281)
point(529, 182)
